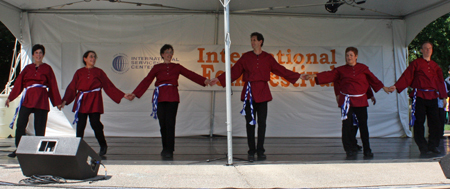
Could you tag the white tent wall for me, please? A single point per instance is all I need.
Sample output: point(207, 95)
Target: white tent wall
point(66, 37)
point(296, 113)
point(10, 16)
point(26, 41)
point(314, 113)
point(306, 113)
point(400, 62)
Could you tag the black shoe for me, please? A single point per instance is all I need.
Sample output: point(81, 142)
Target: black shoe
point(424, 151)
point(368, 154)
point(251, 157)
point(351, 154)
point(12, 154)
point(168, 155)
point(359, 147)
point(103, 150)
point(435, 150)
point(262, 156)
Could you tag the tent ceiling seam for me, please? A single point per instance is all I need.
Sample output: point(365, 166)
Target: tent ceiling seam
point(438, 4)
point(2, 2)
point(124, 12)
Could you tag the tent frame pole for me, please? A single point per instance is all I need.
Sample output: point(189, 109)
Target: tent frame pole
point(228, 80)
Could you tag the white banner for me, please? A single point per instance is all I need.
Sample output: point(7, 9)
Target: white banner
point(128, 64)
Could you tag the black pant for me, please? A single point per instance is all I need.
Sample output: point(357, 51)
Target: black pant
point(97, 126)
point(167, 115)
point(354, 131)
point(348, 130)
point(260, 114)
point(40, 122)
point(431, 110)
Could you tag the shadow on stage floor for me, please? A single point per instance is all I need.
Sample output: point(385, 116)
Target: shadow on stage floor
point(198, 150)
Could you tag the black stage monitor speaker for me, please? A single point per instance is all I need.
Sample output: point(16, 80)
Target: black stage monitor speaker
point(445, 165)
point(66, 157)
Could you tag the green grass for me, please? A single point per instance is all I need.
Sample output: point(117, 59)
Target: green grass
point(447, 127)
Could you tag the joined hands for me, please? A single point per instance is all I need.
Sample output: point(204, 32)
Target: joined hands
point(213, 81)
point(307, 76)
point(129, 97)
point(61, 106)
point(389, 89)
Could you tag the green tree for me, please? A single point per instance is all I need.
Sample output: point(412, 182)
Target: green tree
point(438, 33)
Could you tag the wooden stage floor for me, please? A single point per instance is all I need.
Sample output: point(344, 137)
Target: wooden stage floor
point(206, 150)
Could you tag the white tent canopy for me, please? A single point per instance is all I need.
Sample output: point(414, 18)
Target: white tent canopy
point(301, 34)
point(416, 13)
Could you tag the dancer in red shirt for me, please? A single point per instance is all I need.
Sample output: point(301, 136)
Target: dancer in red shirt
point(86, 87)
point(165, 97)
point(255, 67)
point(38, 83)
point(354, 81)
point(426, 78)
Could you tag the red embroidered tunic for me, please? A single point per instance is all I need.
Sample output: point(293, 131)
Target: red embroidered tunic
point(167, 73)
point(256, 69)
point(353, 80)
point(37, 97)
point(422, 74)
point(337, 90)
point(88, 79)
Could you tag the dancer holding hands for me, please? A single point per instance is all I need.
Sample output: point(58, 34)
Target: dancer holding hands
point(255, 66)
point(38, 83)
point(86, 87)
point(354, 81)
point(165, 97)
